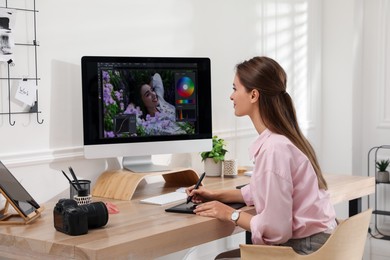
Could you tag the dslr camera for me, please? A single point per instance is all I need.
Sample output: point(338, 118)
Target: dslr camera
point(74, 220)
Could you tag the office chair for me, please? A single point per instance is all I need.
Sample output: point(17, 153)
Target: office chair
point(346, 242)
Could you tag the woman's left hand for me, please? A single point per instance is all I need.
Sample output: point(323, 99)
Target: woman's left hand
point(214, 209)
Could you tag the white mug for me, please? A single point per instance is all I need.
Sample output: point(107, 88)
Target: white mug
point(230, 168)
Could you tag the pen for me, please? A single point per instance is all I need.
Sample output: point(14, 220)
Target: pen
point(74, 177)
point(74, 186)
point(189, 198)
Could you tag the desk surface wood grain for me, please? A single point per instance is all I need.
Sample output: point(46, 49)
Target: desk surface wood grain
point(143, 231)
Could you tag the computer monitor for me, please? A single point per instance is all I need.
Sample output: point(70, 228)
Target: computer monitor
point(136, 107)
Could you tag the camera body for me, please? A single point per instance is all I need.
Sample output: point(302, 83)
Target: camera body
point(72, 219)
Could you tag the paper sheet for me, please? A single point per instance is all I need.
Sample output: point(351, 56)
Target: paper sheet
point(26, 92)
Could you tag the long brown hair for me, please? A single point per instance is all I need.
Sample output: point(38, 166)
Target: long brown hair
point(275, 104)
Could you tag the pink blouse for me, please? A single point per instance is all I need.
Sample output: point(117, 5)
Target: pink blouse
point(284, 190)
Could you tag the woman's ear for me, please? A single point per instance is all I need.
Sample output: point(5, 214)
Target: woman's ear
point(255, 95)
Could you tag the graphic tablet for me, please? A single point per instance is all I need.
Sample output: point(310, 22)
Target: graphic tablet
point(189, 208)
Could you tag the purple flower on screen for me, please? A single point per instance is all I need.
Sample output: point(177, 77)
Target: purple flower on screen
point(107, 97)
point(131, 109)
point(106, 76)
point(118, 95)
point(109, 134)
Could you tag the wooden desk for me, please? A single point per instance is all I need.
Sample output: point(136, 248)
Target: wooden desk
point(350, 188)
point(142, 231)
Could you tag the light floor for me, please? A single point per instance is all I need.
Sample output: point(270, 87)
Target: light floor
point(377, 249)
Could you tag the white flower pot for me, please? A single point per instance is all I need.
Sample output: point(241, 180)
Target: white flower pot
point(382, 176)
point(211, 168)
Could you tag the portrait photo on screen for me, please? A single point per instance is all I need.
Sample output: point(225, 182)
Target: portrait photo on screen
point(146, 102)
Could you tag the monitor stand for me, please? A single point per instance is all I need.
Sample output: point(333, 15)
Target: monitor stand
point(121, 184)
point(142, 164)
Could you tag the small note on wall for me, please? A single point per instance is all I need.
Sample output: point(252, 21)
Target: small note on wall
point(26, 92)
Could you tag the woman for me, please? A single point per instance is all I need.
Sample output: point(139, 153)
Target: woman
point(156, 119)
point(149, 100)
point(287, 188)
point(152, 96)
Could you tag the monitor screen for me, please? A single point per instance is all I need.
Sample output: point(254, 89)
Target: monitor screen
point(135, 107)
point(16, 192)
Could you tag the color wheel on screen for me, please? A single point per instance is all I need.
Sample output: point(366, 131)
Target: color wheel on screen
point(185, 87)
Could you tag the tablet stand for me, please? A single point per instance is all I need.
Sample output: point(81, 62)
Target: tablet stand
point(18, 218)
point(121, 184)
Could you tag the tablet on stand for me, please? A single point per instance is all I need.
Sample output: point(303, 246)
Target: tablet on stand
point(27, 209)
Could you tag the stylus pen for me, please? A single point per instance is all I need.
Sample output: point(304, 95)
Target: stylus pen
point(189, 198)
point(74, 186)
point(74, 177)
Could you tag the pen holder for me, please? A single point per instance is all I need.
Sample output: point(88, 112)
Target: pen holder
point(230, 168)
point(85, 185)
point(83, 200)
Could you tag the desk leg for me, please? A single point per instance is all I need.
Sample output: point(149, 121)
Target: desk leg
point(355, 206)
point(248, 238)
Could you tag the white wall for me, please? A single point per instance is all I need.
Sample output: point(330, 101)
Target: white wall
point(337, 63)
point(338, 57)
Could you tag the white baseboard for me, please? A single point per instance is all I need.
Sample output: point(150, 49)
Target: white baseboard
point(43, 156)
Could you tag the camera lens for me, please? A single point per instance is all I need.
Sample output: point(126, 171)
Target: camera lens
point(97, 214)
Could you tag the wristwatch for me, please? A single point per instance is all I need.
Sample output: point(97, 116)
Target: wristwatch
point(235, 216)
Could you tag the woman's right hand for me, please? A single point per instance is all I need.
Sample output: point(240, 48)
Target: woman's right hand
point(199, 195)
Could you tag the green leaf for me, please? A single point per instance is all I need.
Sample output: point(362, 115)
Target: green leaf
point(382, 165)
point(218, 151)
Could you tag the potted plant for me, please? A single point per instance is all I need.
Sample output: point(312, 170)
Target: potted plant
point(382, 175)
point(213, 159)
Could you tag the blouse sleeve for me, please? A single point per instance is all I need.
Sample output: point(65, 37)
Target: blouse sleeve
point(246, 194)
point(272, 197)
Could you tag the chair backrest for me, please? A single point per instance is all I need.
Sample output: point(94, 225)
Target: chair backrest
point(347, 242)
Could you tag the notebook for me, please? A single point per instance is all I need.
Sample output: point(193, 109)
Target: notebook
point(189, 208)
